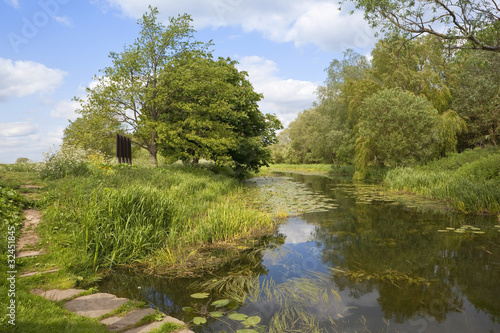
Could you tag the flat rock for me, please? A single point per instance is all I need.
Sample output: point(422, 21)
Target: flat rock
point(119, 323)
point(94, 305)
point(59, 295)
point(156, 324)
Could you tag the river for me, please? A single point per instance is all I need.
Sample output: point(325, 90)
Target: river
point(349, 258)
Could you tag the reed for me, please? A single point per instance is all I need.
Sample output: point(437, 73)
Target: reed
point(129, 215)
point(469, 181)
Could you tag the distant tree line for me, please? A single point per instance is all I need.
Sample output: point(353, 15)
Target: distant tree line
point(415, 100)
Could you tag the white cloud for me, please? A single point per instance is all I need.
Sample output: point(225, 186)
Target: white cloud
point(13, 3)
point(298, 21)
point(23, 78)
point(63, 20)
point(17, 129)
point(30, 145)
point(282, 96)
point(65, 109)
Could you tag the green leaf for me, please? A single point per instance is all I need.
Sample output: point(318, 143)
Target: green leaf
point(199, 320)
point(200, 295)
point(216, 314)
point(187, 309)
point(221, 303)
point(246, 330)
point(237, 316)
point(251, 321)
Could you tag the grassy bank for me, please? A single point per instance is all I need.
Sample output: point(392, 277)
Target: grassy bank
point(175, 219)
point(469, 181)
point(308, 169)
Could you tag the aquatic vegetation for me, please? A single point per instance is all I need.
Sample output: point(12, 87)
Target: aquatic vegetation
point(281, 194)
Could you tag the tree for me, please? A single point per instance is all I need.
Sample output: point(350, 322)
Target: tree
point(396, 128)
point(128, 91)
point(211, 111)
point(476, 97)
point(92, 132)
point(470, 24)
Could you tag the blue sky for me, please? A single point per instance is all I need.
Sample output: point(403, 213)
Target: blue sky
point(51, 49)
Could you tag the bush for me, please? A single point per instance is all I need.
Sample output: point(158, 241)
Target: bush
point(64, 161)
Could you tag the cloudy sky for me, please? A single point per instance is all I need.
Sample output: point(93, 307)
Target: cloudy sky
point(51, 49)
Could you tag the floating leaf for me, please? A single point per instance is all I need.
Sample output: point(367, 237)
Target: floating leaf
point(220, 303)
point(187, 309)
point(237, 316)
point(199, 320)
point(251, 321)
point(200, 295)
point(216, 314)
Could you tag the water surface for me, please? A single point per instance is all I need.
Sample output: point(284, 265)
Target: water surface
point(351, 259)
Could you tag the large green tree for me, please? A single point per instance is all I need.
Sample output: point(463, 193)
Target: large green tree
point(476, 97)
point(210, 111)
point(128, 91)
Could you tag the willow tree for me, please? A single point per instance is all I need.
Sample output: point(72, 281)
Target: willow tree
point(464, 24)
point(128, 91)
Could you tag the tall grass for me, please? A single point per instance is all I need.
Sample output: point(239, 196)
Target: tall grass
point(126, 216)
point(469, 181)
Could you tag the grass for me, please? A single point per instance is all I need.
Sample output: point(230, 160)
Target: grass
point(469, 181)
point(308, 169)
point(131, 216)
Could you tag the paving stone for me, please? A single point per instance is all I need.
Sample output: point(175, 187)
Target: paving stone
point(156, 324)
point(59, 295)
point(119, 323)
point(94, 305)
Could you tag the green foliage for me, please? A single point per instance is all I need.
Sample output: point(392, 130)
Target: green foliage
point(468, 24)
point(129, 91)
point(65, 161)
point(132, 213)
point(396, 128)
point(470, 181)
point(169, 93)
point(211, 112)
point(476, 97)
point(93, 132)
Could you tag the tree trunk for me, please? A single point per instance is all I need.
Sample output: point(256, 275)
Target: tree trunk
point(153, 150)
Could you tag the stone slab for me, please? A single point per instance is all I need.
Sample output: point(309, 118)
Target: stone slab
point(94, 305)
point(148, 327)
point(119, 323)
point(59, 295)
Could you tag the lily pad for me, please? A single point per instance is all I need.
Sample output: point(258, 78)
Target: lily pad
point(216, 314)
point(220, 303)
point(199, 320)
point(251, 321)
point(237, 316)
point(200, 295)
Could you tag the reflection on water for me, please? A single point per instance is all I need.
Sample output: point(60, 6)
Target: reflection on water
point(367, 264)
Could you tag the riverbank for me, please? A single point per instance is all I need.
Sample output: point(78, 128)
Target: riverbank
point(175, 220)
point(469, 181)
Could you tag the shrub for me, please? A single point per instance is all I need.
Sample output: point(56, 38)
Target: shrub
point(67, 160)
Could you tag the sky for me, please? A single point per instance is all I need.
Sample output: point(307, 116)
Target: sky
point(50, 50)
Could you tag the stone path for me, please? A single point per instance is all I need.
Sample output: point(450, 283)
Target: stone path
point(96, 305)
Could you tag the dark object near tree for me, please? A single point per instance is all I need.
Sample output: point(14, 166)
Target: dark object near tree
point(123, 149)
